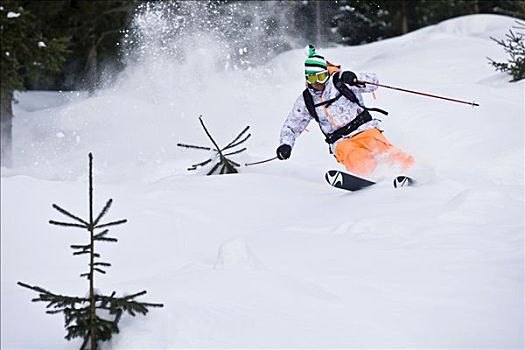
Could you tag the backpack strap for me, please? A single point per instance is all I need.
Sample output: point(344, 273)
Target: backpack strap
point(310, 106)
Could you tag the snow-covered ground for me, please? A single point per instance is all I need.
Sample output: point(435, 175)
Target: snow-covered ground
point(273, 256)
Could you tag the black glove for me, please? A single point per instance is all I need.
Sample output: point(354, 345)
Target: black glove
point(349, 78)
point(284, 151)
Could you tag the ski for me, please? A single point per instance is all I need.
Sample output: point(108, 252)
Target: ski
point(352, 183)
point(345, 181)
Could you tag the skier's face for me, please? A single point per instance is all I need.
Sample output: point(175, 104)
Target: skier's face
point(318, 80)
point(318, 86)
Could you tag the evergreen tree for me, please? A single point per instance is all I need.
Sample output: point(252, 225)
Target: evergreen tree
point(26, 54)
point(358, 22)
point(514, 46)
point(95, 28)
point(83, 316)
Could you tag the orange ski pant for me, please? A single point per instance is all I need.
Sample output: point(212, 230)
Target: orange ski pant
point(360, 153)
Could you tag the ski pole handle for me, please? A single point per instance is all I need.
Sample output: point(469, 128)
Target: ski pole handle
point(419, 93)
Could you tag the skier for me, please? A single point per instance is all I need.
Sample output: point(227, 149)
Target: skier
point(333, 98)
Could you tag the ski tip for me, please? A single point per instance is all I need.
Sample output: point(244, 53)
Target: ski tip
point(403, 181)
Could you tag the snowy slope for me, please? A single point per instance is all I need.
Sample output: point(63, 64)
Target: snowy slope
point(273, 257)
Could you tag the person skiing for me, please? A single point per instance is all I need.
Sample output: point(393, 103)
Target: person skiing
point(335, 101)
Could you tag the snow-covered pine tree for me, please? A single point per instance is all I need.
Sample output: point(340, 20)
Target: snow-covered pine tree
point(358, 22)
point(514, 45)
point(83, 315)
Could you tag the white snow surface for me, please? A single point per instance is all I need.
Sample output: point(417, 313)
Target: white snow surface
point(273, 256)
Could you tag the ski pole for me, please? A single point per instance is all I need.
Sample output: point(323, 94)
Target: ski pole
point(260, 162)
point(419, 93)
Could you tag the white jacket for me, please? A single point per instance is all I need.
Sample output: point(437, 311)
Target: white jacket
point(331, 118)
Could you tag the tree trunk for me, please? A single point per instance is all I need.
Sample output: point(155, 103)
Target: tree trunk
point(318, 35)
point(91, 70)
point(6, 122)
point(404, 17)
point(475, 5)
point(408, 16)
point(92, 306)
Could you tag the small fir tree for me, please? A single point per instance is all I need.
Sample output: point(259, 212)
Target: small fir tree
point(224, 165)
point(514, 45)
point(83, 315)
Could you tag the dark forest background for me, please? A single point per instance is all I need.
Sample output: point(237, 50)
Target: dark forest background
point(88, 33)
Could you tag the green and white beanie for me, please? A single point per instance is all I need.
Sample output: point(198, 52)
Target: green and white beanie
point(314, 62)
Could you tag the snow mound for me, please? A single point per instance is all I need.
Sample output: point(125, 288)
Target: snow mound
point(481, 26)
point(236, 255)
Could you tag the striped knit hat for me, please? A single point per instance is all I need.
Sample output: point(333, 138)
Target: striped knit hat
point(314, 62)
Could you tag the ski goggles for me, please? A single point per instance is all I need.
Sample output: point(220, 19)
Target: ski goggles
point(320, 77)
